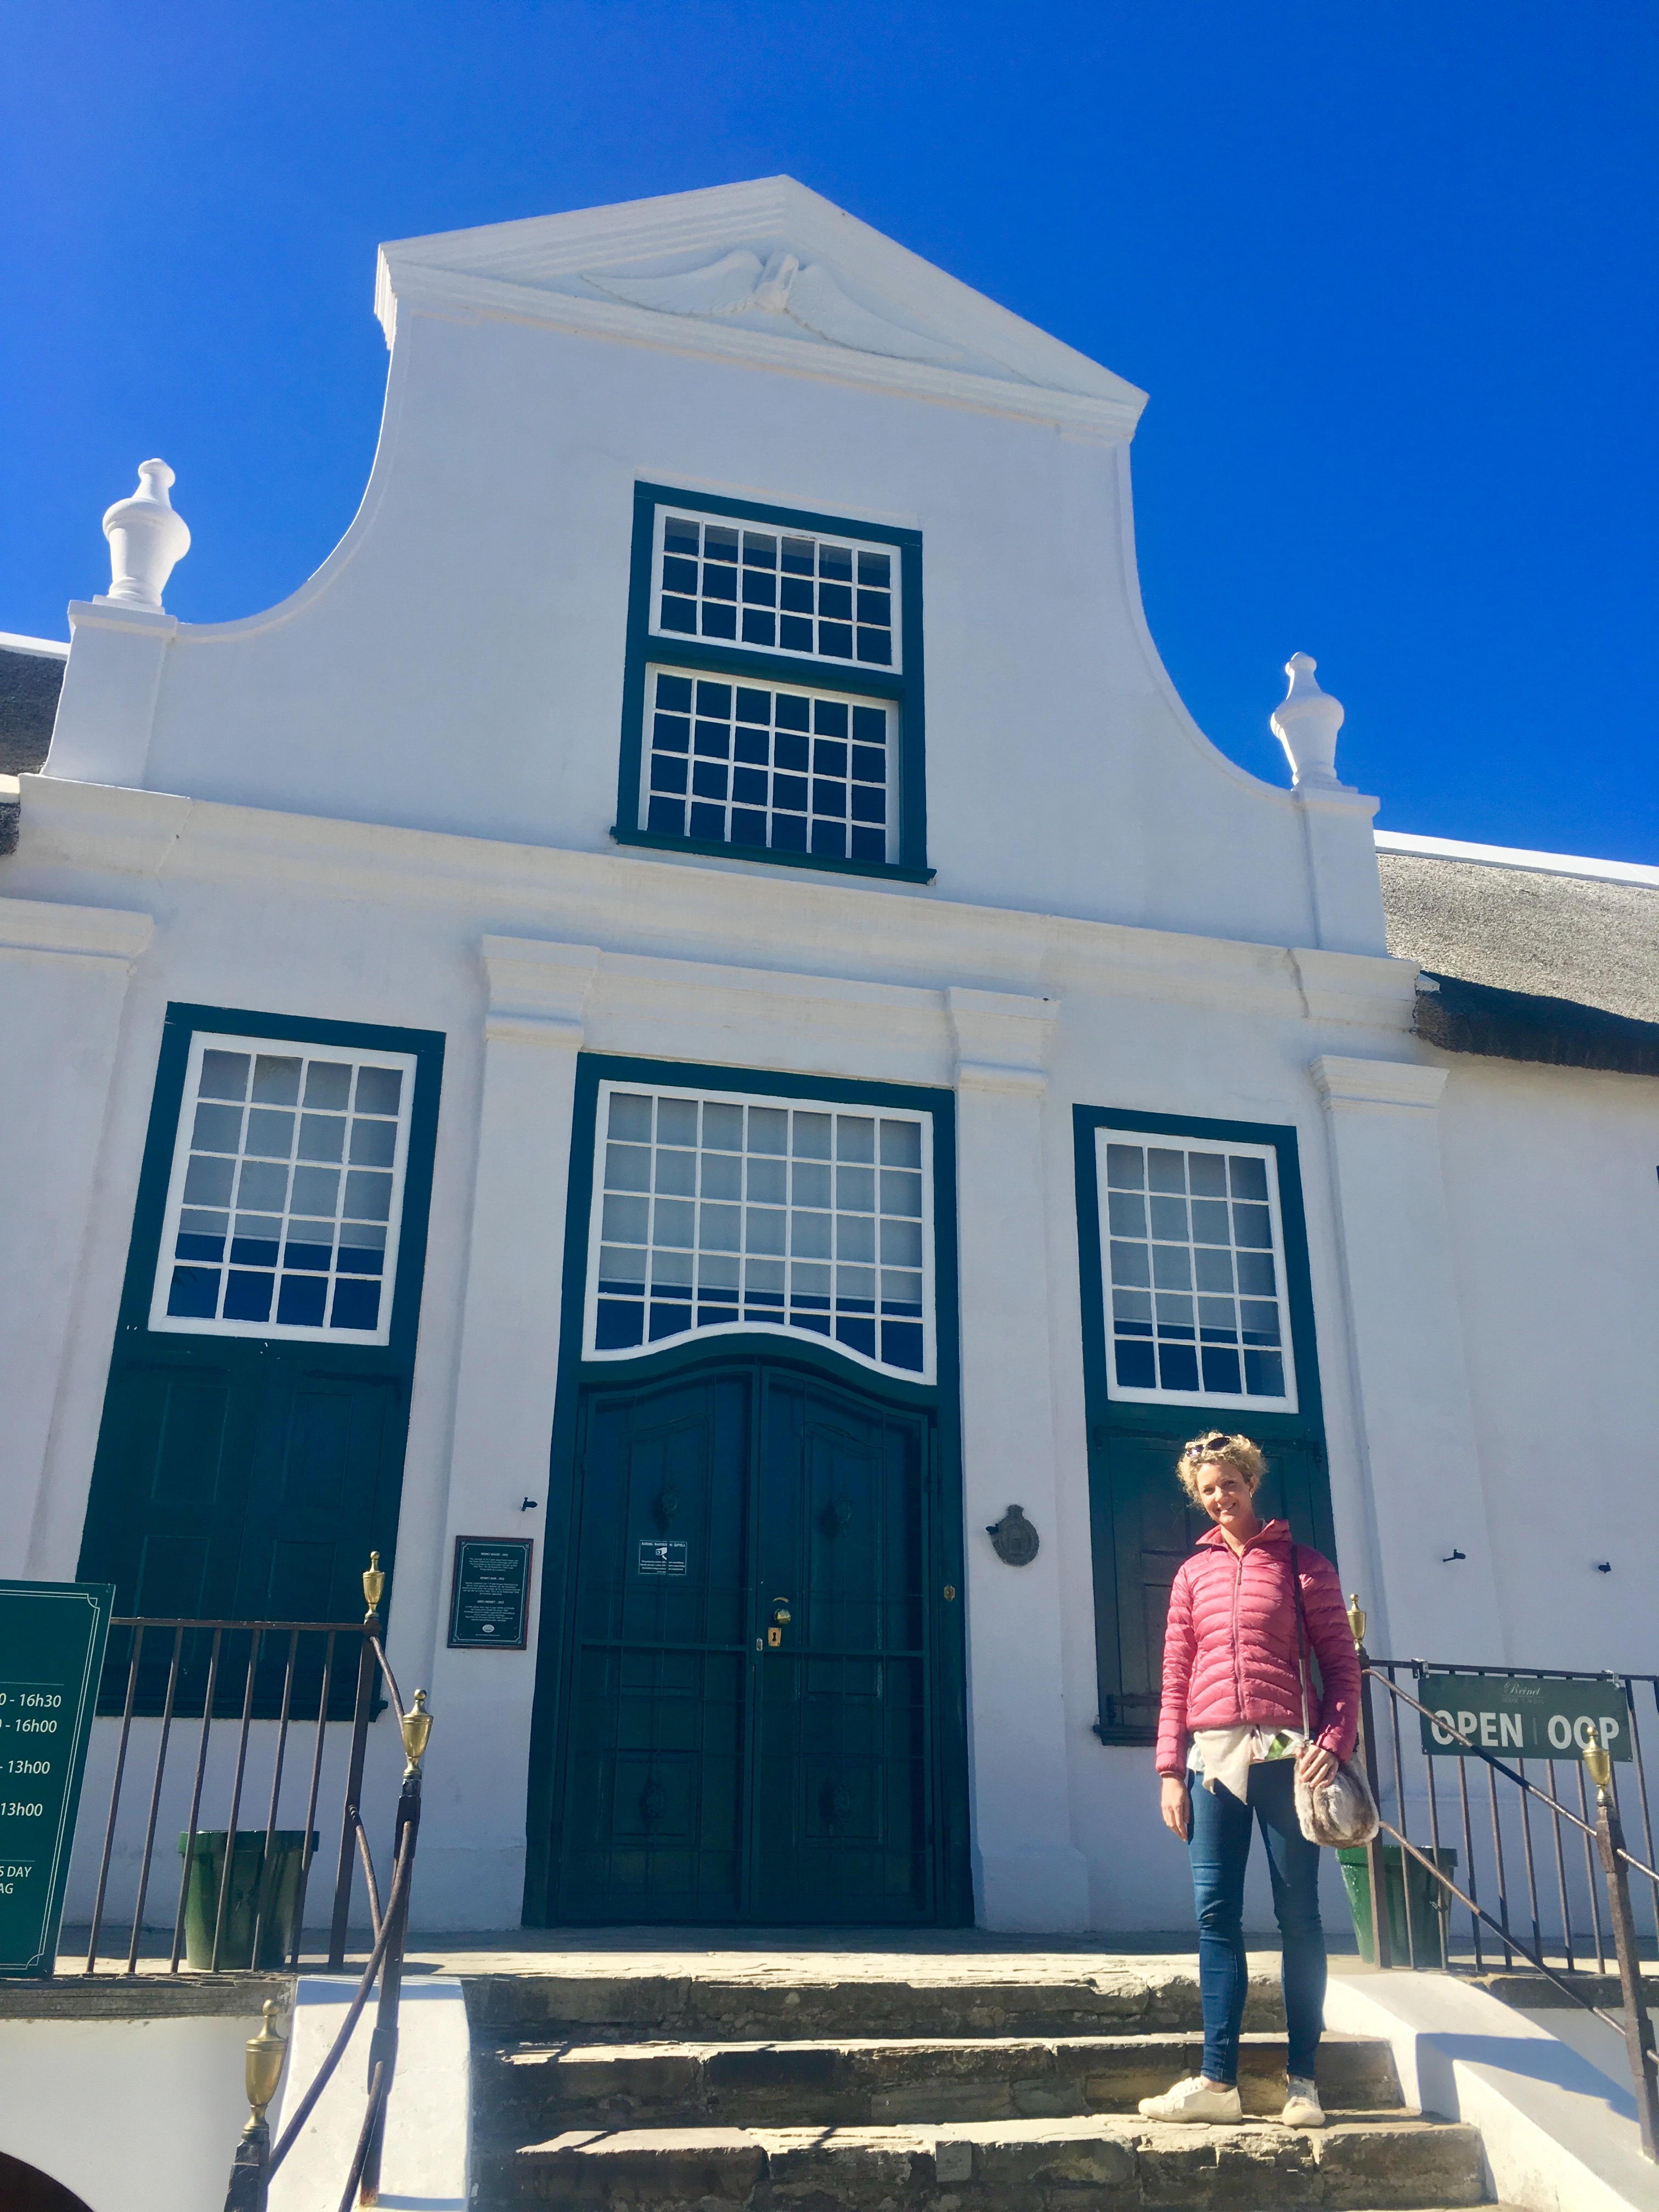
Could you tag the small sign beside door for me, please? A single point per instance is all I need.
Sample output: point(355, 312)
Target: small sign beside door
point(1520, 1716)
point(659, 1555)
point(51, 1654)
point(489, 1594)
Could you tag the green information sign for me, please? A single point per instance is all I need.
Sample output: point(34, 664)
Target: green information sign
point(51, 1652)
point(489, 1594)
point(1520, 1716)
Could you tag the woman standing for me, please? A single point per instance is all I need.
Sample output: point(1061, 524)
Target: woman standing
point(1230, 1741)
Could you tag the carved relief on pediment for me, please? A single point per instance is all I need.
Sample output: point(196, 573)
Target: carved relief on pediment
point(803, 299)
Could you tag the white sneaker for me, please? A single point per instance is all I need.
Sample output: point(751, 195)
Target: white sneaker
point(1195, 2099)
point(1302, 2107)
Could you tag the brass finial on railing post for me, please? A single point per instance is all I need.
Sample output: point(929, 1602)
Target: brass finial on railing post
point(414, 1727)
point(1355, 1620)
point(262, 2070)
point(367, 1664)
point(1638, 2030)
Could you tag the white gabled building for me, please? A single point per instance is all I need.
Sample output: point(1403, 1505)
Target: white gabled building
point(696, 995)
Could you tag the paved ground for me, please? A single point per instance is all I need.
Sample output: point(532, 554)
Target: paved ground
point(929, 1954)
point(783, 1955)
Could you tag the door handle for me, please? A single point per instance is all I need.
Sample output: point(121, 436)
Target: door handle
point(781, 1617)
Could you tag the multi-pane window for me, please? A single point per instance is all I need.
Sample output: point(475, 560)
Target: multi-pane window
point(772, 698)
point(787, 771)
point(1195, 1271)
point(776, 591)
point(727, 1212)
point(287, 1189)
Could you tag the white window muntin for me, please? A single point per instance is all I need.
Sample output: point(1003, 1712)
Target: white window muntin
point(786, 1257)
point(752, 584)
point(317, 1220)
point(1193, 1277)
point(770, 768)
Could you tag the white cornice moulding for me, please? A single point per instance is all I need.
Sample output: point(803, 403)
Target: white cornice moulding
point(111, 614)
point(538, 990)
point(450, 294)
point(1343, 1082)
point(1343, 987)
point(101, 825)
point(1001, 1039)
point(625, 898)
point(103, 933)
point(1343, 798)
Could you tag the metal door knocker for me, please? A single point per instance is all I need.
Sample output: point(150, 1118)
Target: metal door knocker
point(1013, 1539)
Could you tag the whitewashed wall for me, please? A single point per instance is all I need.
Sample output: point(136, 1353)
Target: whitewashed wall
point(1554, 1201)
point(388, 800)
point(458, 662)
point(132, 2115)
point(541, 950)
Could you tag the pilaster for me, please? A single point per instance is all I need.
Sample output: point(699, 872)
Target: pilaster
point(1343, 878)
point(64, 976)
point(1028, 1872)
point(111, 680)
point(1414, 1415)
point(505, 1386)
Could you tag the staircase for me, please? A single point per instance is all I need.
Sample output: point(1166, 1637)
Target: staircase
point(891, 2083)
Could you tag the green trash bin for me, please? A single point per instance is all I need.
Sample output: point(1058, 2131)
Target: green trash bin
point(267, 1892)
point(1428, 1902)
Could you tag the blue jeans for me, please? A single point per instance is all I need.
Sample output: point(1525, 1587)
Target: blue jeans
point(1220, 1838)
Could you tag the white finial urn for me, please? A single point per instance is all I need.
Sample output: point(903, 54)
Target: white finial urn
point(146, 539)
point(1305, 722)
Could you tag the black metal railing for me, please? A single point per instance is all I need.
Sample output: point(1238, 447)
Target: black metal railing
point(1468, 1852)
point(202, 1665)
point(257, 2159)
point(194, 1680)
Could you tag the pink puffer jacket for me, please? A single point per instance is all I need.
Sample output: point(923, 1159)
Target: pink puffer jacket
point(1230, 1648)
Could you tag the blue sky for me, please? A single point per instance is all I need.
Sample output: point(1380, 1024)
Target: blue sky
point(1387, 271)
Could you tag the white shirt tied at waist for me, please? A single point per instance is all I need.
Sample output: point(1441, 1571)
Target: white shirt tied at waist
point(1226, 1755)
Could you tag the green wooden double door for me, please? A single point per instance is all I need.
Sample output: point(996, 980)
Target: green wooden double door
point(748, 1729)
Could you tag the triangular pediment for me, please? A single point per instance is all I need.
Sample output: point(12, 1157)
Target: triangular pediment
point(769, 269)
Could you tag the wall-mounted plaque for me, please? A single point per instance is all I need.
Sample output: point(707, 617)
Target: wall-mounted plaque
point(662, 1555)
point(1013, 1539)
point(51, 1653)
point(489, 1594)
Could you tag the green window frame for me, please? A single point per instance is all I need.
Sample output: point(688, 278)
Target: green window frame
point(1139, 1525)
point(830, 687)
point(202, 1429)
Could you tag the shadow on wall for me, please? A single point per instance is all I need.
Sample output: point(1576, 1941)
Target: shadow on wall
point(25, 2189)
point(1551, 2062)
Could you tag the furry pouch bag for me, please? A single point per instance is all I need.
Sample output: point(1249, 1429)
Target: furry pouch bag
point(1341, 1812)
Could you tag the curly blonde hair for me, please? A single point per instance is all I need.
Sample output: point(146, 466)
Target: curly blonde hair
point(1216, 1445)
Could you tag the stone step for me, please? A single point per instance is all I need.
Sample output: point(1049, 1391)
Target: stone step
point(1097, 2164)
point(544, 2088)
point(602, 2002)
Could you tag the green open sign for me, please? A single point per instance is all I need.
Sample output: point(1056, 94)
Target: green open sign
point(1522, 1715)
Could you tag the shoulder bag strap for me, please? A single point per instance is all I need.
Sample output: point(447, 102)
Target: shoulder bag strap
point(1300, 1641)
